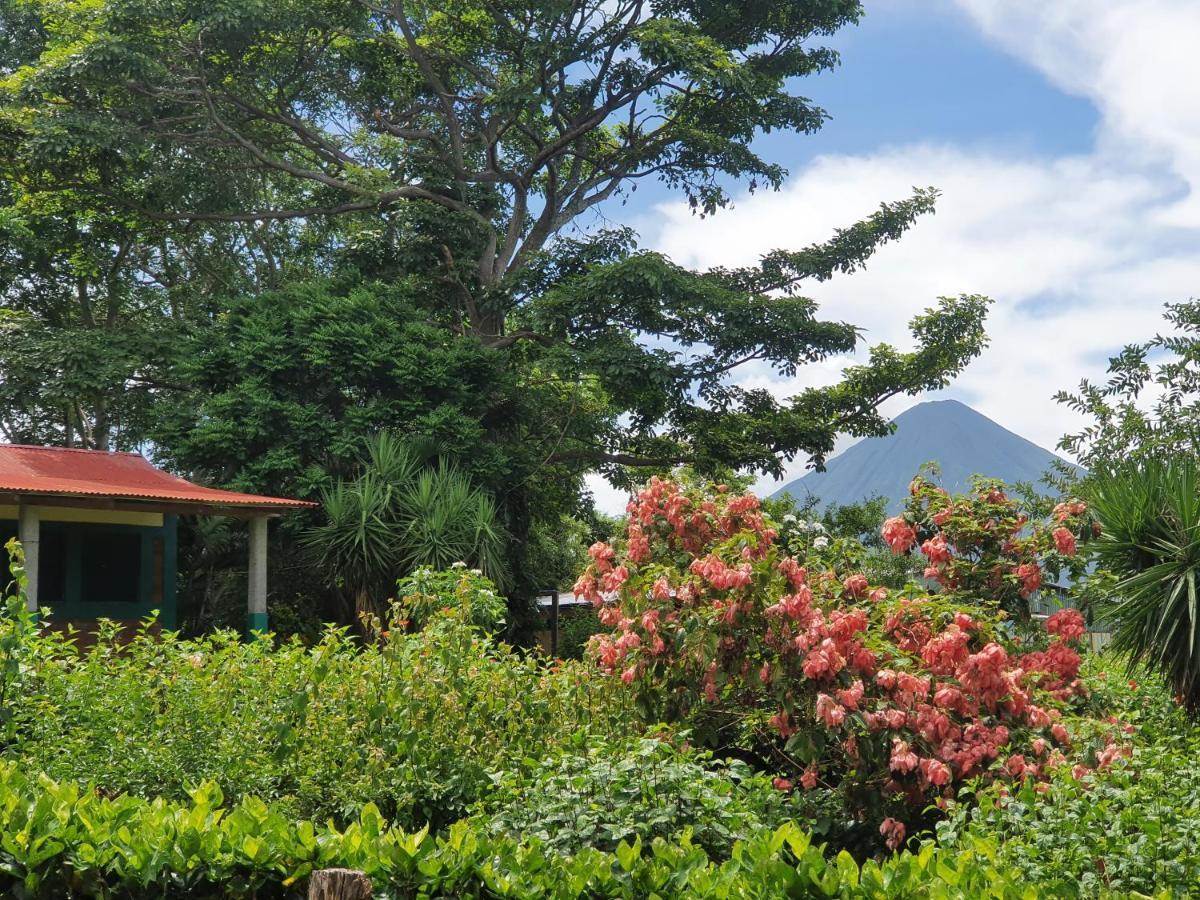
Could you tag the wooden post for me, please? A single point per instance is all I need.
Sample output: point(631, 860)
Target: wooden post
point(29, 528)
point(554, 623)
point(339, 884)
point(256, 592)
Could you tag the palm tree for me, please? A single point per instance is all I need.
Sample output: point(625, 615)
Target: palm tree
point(1149, 514)
point(404, 510)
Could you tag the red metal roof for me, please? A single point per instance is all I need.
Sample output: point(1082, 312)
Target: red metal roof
point(59, 471)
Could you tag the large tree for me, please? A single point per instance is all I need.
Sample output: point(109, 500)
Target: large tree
point(465, 138)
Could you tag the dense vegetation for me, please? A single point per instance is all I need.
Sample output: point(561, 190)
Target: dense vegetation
point(704, 752)
point(251, 237)
point(345, 251)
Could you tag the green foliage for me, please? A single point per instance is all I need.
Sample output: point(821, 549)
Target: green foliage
point(402, 512)
point(459, 591)
point(414, 724)
point(1123, 424)
point(465, 201)
point(575, 630)
point(598, 793)
point(17, 628)
point(60, 840)
point(1149, 544)
point(287, 386)
point(1132, 830)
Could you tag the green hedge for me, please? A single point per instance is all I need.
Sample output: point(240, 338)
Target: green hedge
point(415, 725)
point(58, 840)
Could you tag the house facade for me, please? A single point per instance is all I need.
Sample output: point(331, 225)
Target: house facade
point(100, 533)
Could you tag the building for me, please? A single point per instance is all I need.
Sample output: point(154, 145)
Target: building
point(99, 532)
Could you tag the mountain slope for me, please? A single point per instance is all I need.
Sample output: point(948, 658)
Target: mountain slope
point(962, 441)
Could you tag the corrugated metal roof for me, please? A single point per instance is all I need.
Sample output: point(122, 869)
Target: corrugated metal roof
point(60, 471)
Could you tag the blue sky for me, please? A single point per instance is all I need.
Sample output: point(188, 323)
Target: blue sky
point(1065, 138)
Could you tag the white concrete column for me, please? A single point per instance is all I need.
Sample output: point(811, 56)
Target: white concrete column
point(256, 600)
point(29, 528)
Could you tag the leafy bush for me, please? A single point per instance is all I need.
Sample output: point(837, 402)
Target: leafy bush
point(574, 632)
point(1135, 827)
point(402, 512)
point(1149, 518)
point(414, 724)
point(983, 545)
point(465, 592)
point(597, 793)
point(16, 632)
point(894, 700)
point(60, 840)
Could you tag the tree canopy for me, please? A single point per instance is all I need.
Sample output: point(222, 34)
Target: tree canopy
point(464, 139)
point(1149, 406)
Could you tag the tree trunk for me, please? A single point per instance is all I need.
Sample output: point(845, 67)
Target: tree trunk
point(339, 884)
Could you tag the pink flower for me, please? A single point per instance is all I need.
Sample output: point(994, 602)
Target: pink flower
point(1030, 577)
point(781, 784)
point(1068, 624)
point(936, 549)
point(602, 555)
point(1067, 510)
point(612, 580)
point(661, 589)
point(829, 711)
point(903, 759)
point(898, 535)
point(893, 831)
point(628, 674)
point(780, 723)
point(878, 595)
point(809, 779)
point(855, 586)
point(936, 773)
point(1064, 541)
point(1059, 732)
point(851, 696)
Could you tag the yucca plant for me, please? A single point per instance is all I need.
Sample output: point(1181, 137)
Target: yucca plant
point(403, 511)
point(1149, 515)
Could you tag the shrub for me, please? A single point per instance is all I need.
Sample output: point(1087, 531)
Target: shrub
point(1133, 829)
point(894, 699)
point(402, 512)
point(59, 840)
point(981, 546)
point(575, 630)
point(17, 629)
point(464, 592)
point(597, 793)
point(414, 724)
point(1149, 517)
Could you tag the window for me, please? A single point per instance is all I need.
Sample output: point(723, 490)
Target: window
point(52, 565)
point(110, 566)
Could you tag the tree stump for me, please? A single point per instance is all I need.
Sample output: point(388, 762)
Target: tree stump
point(339, 884)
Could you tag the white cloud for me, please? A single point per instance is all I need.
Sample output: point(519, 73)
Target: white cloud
point(1062, 246)
point(1134, 59)
point(1078, 252)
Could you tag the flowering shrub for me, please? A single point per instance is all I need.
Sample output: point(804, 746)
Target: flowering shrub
point(981, 547)
point(462, 592)
point(893, 698)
